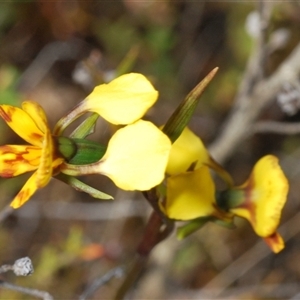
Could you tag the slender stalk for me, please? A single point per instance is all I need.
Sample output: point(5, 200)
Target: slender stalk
point(131, 278)
point(156, 231)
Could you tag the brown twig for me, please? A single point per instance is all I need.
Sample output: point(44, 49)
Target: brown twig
point(276, 127)
point(115, 273)
point(22, 267)
point(27, 291)
point(248, 107)
point(264, 10)
point(252, 98)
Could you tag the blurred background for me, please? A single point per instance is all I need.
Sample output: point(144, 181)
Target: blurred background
point(55, 52)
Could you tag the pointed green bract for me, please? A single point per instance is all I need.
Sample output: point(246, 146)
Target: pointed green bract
point(126, 65)
point(82, 187)
point(191, 227)
point(182, 115)
point(86, 127)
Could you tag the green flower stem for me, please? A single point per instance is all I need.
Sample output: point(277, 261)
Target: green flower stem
point(80, 170)
point(65, 121)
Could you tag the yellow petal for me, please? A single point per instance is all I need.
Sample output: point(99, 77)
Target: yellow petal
point(124, 100)
point(190, 195)
point(22, 124)
point(44, 171)
point(266, 193)
point(16, 160)
point(26, 192)
point(136, 157)
point(275, 242)
point(186, 150)
point(37, 114)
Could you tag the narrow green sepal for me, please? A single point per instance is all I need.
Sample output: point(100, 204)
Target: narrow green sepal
point(191, 227)
point(86, 127)
point(82, 187)
point(88, 152)
point(182, 115)
point(66, 147)
point(80, 151)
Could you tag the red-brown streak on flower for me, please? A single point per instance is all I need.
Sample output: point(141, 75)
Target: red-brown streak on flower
point(23, 195)
point(72, 114)
point(248, 203)
point(36, 136)
point(56, 153)
point(6, 116)
point(273, 239)
point(56, 170)
point(7, 173)
point(218, 212)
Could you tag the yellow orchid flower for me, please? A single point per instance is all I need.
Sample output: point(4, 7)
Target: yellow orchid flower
point(188, 151)
point(190, 190)
point(190, 195)
point(137, 154)
point(135, 159)
point(122, 101)
point(261, 198)
point(30, 123)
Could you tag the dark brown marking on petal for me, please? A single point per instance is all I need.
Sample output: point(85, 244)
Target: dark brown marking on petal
point(221, 214)
point(5, 116)
point(23, 195)
point(248, 204)
point(275, 242)
point(19, 157)
point(36, 136)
